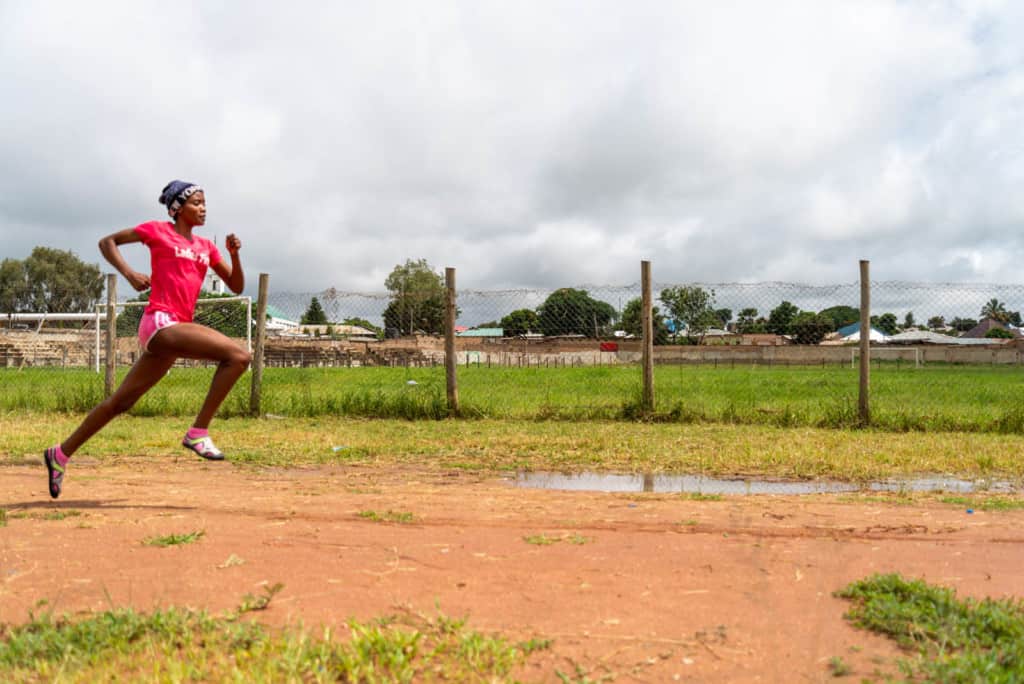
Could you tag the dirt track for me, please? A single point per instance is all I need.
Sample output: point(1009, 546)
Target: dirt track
point(662, 588)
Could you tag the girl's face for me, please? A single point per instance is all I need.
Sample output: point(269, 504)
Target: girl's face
point(193, 212)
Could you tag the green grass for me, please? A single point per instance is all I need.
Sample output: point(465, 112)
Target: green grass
point(184, 645)
point(542, 539)
point(387, 516)
point(838, 667)
point(933, 398)
point(174, 539)
point(992, 503)
point(952, 640)
point(509, 445)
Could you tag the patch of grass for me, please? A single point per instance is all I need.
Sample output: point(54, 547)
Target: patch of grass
point(251, 603)
point(698, 496)
point(838, 667)
point(575, 538)
point(3, 517)
point(387, 516)
point(61, 514)
point(540, 539)
point(175, 539)
point(986, 504)
point(508, 445)
point(184, 645)
point(953, 640)
point(903, 499)
point(937, 397)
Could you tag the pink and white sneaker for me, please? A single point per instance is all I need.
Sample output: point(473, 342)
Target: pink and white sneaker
point(204, 447)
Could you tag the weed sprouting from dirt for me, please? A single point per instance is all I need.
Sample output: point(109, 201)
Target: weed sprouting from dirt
point(540, 539)
point(387, 516)
point(954, 639)
point(174, 539)
point(838, 667)
point(698, 496)
point(62, 514)
point(544, 540)
point(251, 603)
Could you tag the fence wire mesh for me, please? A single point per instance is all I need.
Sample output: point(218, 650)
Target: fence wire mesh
point(559, 352)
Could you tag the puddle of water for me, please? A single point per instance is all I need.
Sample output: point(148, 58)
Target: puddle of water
point(699, 484)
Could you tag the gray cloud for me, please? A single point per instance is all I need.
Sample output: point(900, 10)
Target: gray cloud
point(529, 145)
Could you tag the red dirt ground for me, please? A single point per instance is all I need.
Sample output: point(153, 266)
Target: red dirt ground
point(664, 588)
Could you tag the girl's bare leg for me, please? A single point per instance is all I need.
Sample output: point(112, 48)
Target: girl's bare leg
point(146, 372)
point(195, 341)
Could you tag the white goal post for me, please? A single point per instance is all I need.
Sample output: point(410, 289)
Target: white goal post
point(205, 302)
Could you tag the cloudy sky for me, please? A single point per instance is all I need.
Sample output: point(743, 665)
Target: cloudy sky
point(528, 144)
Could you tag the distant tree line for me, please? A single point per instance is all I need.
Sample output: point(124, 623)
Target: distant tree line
point(49, 281)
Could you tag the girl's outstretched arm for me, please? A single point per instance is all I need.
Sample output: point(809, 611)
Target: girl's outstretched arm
point(232, 274)
point(109, 250)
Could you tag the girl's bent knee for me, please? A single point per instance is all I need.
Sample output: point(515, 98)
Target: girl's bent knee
point(239, 360)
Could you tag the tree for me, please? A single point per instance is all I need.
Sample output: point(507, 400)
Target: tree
point(886, 323)
point(936, 322)
point(780, 320)
point(1001, 333)
point(13, 285)
point(314, 314)
point(569, 311)
point(995, 310)
point(962, 324)
point(691, 307)
point(1014, 318)
point(632, 321)
point(748, 322)
point(519, 322)
point(723, 316)
point(417, 298)
point(841, 315)
point(908, 320)
point(810, 328)
point(49, 281)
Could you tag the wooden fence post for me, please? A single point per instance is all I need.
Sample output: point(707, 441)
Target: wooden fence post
point(450, 361)
point(647, 323)
point(257, 353)
point(864, 400)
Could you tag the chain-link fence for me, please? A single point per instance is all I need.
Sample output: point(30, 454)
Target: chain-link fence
point(569, 352)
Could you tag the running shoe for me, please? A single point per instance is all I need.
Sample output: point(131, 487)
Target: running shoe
point(204, 447)
point(55, 470)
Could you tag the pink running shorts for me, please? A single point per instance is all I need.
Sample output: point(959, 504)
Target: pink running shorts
point(153, 322)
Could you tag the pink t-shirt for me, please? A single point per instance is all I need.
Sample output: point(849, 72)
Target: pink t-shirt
point(178, 268)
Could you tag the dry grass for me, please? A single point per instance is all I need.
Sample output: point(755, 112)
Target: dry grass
point(488, 445)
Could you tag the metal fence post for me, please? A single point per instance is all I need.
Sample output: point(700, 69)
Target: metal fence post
point(450, 361)
point(647, 322)
point(108, 379)
point(257, 354)
point(864, 403)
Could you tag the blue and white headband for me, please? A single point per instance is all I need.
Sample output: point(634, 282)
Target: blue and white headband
point(176, 193)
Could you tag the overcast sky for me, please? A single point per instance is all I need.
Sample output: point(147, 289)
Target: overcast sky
point(528, 144)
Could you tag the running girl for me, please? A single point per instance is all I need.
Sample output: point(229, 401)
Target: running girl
point(179, 261)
